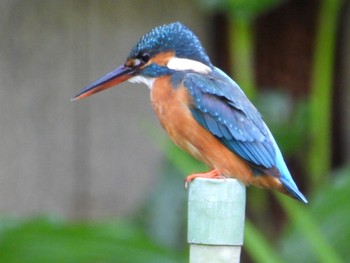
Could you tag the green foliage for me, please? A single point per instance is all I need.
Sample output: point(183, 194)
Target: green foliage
point(281, 113)
point(321, 92)
point(241, 54)
point(257, 246)
point(44, 240)
point(320, 231)
point(241, 8)
point(317, 232)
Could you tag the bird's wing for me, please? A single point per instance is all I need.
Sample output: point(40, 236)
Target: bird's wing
point(221, 107)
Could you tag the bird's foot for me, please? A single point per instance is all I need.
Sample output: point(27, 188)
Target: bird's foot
point(213, 174)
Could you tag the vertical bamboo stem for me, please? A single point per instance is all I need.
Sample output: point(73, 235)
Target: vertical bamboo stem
point(321, 92)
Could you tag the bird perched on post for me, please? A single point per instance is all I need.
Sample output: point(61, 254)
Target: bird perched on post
point(202, 109)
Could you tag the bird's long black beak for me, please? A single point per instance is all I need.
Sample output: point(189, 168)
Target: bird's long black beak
point(113, 78)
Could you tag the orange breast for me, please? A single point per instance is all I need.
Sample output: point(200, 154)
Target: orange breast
point(172, 107)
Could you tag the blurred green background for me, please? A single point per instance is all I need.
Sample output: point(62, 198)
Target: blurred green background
point(71, 183)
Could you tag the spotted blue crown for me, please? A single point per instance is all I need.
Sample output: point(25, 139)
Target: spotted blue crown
point(174, 37)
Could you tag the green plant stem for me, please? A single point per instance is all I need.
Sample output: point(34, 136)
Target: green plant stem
point(258, 247)
point(321, 93)
point(304, 221)
point(241, 50)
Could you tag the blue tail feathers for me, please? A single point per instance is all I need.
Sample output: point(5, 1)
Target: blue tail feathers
point(293, 189)
point(286, 178)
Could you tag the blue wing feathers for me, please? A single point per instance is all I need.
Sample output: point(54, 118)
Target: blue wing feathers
point(226, 134)
point(232, 126)
point(221, 107)
point(212, 125)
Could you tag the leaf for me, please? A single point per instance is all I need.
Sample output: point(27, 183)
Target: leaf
point(320, 231)
point(258, 247)
point(45, 240)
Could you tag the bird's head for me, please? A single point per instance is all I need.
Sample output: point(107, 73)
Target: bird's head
point(162, 51)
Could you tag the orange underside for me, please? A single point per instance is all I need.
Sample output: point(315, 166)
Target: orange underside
point(172, 107)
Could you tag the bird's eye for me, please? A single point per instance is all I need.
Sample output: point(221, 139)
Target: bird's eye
point(145, 57)
point(136, 62)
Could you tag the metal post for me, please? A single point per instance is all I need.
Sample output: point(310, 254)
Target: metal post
point(216, 212)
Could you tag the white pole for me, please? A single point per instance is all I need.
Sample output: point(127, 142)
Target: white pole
point(216, 212)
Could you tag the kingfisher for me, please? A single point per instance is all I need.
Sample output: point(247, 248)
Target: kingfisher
point(202, 109)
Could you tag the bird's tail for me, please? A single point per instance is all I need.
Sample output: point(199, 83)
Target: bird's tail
point(293, 189)
point(286, 178)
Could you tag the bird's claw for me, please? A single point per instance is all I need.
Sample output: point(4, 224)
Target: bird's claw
point(213, 174)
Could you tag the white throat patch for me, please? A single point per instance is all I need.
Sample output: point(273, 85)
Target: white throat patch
point(181, 64)
point(140, 79)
